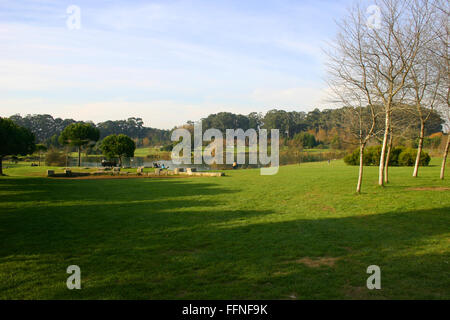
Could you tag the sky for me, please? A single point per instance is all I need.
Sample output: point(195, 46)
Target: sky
point(164, 61)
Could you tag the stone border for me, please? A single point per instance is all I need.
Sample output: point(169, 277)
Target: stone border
point(157, 173)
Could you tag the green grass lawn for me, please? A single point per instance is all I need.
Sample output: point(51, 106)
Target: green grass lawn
point(300, 234)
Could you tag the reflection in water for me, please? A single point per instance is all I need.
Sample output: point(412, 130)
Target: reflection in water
point(290, 157)
point(135, 162)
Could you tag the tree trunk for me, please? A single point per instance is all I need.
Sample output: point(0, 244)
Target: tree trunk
point(383, 149)
point(1, 166)
point(120, 162)
point(361, 165)
point(79, 156)
point(39, 158)
point(388, 155)
point(445, 156)
point(419, 149)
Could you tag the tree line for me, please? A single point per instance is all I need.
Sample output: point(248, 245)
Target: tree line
point(324, 125)
point(47, 129)
point(18, 140)
point(324, 129)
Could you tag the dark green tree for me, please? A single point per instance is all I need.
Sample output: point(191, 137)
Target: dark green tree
point(118, 146)
point(15, 140)
point(40, 148)
point(306, 140)
point(79, 135)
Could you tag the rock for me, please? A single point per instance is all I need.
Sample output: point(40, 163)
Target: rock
point(191, 170)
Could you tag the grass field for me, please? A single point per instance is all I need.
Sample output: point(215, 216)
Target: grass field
point(301, 234)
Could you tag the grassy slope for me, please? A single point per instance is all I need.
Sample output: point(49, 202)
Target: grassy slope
point(236, 237)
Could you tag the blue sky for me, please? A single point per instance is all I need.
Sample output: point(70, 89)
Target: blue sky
point(165, 61)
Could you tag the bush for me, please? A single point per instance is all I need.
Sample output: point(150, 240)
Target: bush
point(408, 158)
point(395, 154)
point(55, 158)
point(371, 156)
point(400, 156)
point(352, 159)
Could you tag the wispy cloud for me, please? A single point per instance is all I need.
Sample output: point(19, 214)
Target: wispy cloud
point(166, 61)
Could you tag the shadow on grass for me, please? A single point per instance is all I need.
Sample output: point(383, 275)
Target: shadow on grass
point(151, 239)
point(261, 261)
point(14, 189)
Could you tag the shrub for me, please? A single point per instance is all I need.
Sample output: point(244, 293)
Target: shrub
point(371, 156)
point(399, 156)
point(55, 158)
point(408, 157)
point(352, 159)
point(395, 153)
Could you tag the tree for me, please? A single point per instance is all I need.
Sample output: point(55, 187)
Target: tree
point(43, 126)
point(15, 140)
point(401, 123)
point(279, 119)
point(40, 148)
point(118, 146)
point(361, 123)
point(426, 74)
point(352, 80)
point(442, 54)
point(377, 58)
point(447, 145)
point(403, 32)
point(255, 120)
point(305, 140)
point(79, 135)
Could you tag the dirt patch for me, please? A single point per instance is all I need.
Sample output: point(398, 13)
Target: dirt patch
point(182, 294)
point(356, 292)
point(429, 189)
point(328, 208)
point(281, 273)
point(318, 262)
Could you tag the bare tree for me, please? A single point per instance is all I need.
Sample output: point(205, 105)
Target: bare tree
point(425, 76)
point(393, 47)
point(377, 58)
point(362, 125)
point(401, 123)
point(442, 58)
point(446, 114)
point(351, 81)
